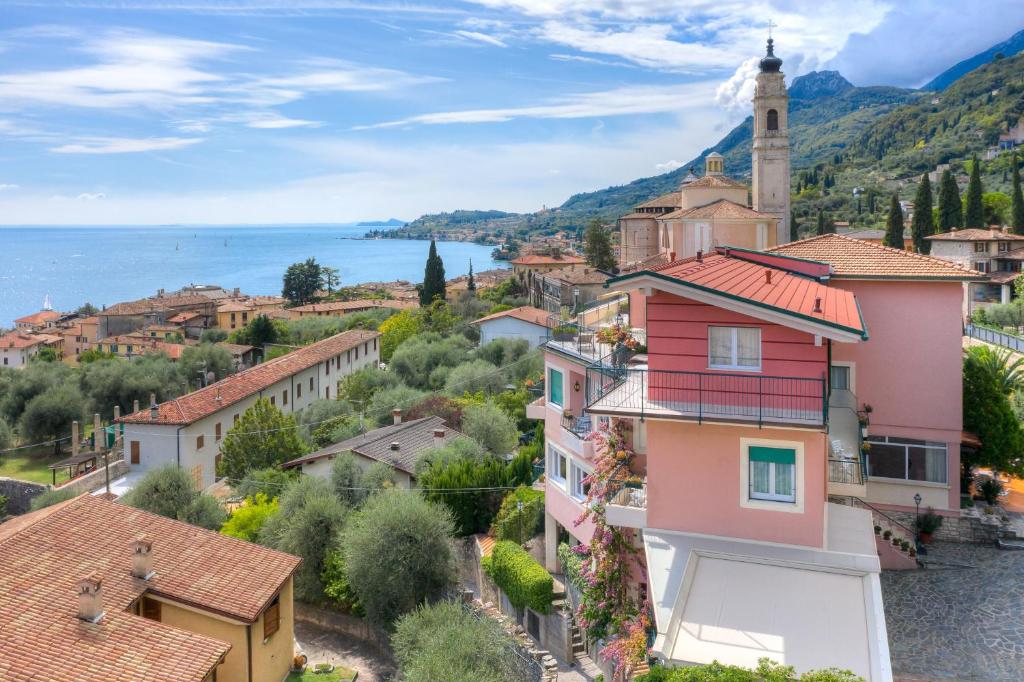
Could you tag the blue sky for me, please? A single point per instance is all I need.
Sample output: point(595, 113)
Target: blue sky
point(263, 111)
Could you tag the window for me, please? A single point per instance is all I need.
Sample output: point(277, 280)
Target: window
point(375, 343)
point(981, 247)
point(199, 442)
point(558, 465)
point(284, 397)
point(272, 618)
point(150, 608)
point(234, 420)
point(357, 352)
point(1003, 247)
point(839, 378)
point(216, 431)
point(348, 356)
point(734, 348)
point(298, 390)
point(907, 458)
point(556, 388)
point(327, 393)
point(772, 122)
point(981, 266)
point(273, 400)
point(311, 383)
point(772, 473)
point(327, 367)
point(577, 488)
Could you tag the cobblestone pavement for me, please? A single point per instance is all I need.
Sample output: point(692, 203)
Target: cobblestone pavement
point(326, 646)
point(962, 618)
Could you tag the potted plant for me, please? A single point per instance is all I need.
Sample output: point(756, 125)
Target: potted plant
point(927, 524)
point(865, 448)
point(564, 332)
point(904, 545)
point(896, 541)
point(990, 490)
point(878, 529)
point(886, 535)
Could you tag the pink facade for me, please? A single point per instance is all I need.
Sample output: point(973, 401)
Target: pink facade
point(693, 474)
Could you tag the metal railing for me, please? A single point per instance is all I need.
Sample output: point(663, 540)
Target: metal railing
point(996, 337)
point(845, 471)
point(628, 494)
point(578, 426)
point(582, 340)
point(706, 395)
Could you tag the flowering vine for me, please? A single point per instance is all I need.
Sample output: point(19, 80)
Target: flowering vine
point(606, 609)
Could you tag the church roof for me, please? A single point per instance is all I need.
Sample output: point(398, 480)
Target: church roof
point(716, 182)
point(667, 200)
point(637, 215)
point(721, 209)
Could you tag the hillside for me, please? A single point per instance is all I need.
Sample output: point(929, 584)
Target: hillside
point(1008, 48)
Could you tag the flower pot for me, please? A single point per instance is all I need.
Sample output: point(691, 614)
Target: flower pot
point(926, 538)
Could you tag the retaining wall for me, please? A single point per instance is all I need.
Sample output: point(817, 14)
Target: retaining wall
point(19, 495)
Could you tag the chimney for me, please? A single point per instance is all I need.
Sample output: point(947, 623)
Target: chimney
point(237, 292)
point(135, 406)
point(817, 305)
point(117, 412)
point(1006, 229)
point(438, 438)
point(154, 409)
point(74, 438)
point(700, 256)
point(671, 256)
point(395, 445)
point(159, 293)
point(767, 276)
point(90, 598)
point(995, 231)
point(142, 557)
point(397, 416)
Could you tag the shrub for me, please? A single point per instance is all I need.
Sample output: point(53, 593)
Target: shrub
point(929, 522)
point(311, 417)
point(990, 489)
point(337, 587)
point(378, 476)
point(458, 449)
point(473, 510)
point(572, 565)
point(168, 491)
point(766, 671)
point(519, 525)
point(520, 577)
point(347, 479)
point(473, 376)
point(446, 641)
point(247, 520)
point(51, 497)
point(399, 397)
point(398, 552)
point(263, 437)
point(490, 426)
point(438, 406)
point(270, 482)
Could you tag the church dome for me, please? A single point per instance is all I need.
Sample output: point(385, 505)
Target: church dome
point(770, 63)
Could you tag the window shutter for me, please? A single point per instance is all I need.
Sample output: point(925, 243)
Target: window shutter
point(776, 455)
point(272, 619)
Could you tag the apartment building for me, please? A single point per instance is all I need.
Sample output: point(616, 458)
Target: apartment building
point(755, 502)
point(997, 252)
point(17, 348)
point(187, 431)
point(97, 591)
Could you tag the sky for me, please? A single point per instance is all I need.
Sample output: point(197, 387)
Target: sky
point(272, 111)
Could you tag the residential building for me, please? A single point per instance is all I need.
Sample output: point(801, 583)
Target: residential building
point(193, 322)
point(97, 591)
point(160, 332)
point(130, 346)
point(399, 445)
point(37, 321)
point(997, 252)
point(187, 431)
point(17, 348)
point(234, 314)
point(524, 322)
point(80, 334)
point(123, 318)
point(567, 288)
point(525, 268)
point(342, 308)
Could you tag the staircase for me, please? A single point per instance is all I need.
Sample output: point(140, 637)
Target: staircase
point(891, 554)
point(578, 647)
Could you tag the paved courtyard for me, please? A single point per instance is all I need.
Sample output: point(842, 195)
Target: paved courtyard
point(962, 618)
point(326, 646)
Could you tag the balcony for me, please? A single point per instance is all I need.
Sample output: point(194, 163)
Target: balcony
point(537, 409)
point(706, 396)
point(846, 465)
point(577, 429)
point(627, 505)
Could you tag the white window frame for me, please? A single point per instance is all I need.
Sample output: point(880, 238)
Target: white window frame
point(734, 366)
point(853, 373)
point(980, 247)
point(554, 459)
point(561, 373)
point(877, 440)
point(577, 473)
point(771, 495)
point(795, 506)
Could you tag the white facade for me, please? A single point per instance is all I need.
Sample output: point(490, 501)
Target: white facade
point(770, 174)
point(17, 358)
point(512, 328)
point(196, 446)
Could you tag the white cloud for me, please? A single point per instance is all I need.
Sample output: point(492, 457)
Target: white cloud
point(275, 122)
point(481, 38)
point(619, 102)
point(6, 187)
point(736, 92)
point(587, 60)
point(668, 166)
point(124, 145)
point(90, 196)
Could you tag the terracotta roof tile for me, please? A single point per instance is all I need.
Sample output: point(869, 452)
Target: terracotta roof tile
point(723, 208)
point(42, 317)
point(148, 305)
point(525, 313)
point(667, 200)
point(973, 234)
point(855, 258)
point(44, 554)
point(537, 259)
point(639, 216)
point(194, 406)
point(577, 275)
point(22, 340)
point(716, 182)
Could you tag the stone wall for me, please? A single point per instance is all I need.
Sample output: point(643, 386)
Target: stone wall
point(348, 625)
point(96, 479)
point(971, 526)
point(19, 495)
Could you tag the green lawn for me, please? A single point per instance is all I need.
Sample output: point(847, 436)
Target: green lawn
point(32, 465)
point(340, 674)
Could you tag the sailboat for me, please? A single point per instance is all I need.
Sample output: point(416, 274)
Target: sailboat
point(177, 246)
point(47, 305)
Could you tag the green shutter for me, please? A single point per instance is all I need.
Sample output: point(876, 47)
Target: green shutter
point(777, 455)
point(555, 386)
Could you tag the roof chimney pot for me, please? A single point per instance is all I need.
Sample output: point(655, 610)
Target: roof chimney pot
point(817, 304)
point(438, 437)
point(395, 445)
point(767, 276)
point(396, 415)
point(142, 557)
point(90, 598)
point(700, 256)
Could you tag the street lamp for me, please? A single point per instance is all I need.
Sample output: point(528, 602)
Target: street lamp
point(917, 518)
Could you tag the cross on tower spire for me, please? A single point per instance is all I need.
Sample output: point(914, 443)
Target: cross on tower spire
point(771, 25)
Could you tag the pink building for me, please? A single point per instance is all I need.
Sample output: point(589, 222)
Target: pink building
point(755, 512)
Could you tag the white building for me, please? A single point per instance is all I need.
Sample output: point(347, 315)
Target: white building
point(17, 347)
point(187, 431)
point(525, 322)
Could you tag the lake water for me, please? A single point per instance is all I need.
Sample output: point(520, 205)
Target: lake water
point(105, 265)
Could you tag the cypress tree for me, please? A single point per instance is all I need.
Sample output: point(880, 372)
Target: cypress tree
point(894, 225)
point(471, 283)
point(794, 226)
point(597, 246)
point(922, 225)
point(433, 286)
point(821, 221)
point(950, 208)
point(1017, 213)
point(974, 210)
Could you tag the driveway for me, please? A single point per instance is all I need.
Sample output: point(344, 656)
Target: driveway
point(327, 646)
point(959, 619)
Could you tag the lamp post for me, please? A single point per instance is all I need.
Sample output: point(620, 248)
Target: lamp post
point(519, 508)
point(917, 518)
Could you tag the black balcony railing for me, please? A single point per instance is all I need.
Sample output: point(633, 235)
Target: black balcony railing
point(707, 395)
point(845, 471)
point(578, 426)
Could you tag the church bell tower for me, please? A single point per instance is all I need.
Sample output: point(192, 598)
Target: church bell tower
point(770, 155)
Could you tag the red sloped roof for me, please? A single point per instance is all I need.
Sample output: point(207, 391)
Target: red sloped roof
point(525, 313)
point(42, 317)
point(537, 259)
point(194, 406)
point(748, 281)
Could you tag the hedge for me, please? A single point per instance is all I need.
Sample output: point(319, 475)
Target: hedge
point(520, 577)
point(516, 525)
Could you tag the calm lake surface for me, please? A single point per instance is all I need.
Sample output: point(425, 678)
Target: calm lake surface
point(105, 265)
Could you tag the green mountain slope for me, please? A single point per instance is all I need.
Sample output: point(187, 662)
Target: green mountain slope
point(1008, 48)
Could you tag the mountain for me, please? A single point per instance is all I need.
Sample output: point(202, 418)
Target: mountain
point(1007, 48)
point(818, 84)
point(390, 222)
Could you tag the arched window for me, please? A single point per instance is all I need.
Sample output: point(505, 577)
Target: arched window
point(773, 119)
